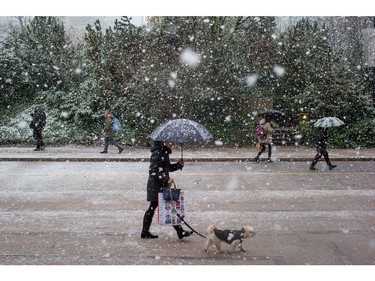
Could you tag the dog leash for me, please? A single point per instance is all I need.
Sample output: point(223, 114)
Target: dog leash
point(178, 215)
point(190, 226)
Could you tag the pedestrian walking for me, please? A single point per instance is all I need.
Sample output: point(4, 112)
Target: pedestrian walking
point(109, 134)
point(159, 169)
point(321, 148)
point(264, 138)
point(37, 124)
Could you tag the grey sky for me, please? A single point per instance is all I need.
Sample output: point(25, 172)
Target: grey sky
point(75, 26)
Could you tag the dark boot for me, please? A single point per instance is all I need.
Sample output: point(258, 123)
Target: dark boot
point(181, 233)
point(262, 149)
point(326, 157)
point(314, 162)
point(38, 146)
point(313, 168)
point(147, 220)
point(148, 235)
point(269, 154)
point(331, 167)
point(256, 159)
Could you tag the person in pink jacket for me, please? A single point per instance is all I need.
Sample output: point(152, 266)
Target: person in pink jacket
point(266, 140)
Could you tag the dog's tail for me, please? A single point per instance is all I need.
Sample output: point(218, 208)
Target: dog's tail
point(211, 228)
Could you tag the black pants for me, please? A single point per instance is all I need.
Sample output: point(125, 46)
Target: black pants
point(110, 140)
point(37, 135)
point(263, 149)
point(321, 151)
point(149, 214)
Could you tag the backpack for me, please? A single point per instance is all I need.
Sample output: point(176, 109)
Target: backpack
point(261, 132)
point(116, 125)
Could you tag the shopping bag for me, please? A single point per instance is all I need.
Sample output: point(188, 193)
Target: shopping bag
point(168, 210)
point(171, 193)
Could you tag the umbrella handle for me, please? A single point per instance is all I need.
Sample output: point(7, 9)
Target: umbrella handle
point(182, 153)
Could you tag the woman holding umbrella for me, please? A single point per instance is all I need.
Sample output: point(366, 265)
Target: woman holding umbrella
point(159, 169)
point(321, 148)
point(266, 141)
point(322, 138)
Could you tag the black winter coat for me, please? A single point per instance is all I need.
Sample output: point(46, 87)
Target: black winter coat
point(322, 138)
point(159, 169)
point(39, 120)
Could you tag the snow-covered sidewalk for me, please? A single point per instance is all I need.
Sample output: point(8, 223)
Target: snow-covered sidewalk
point(131, 154)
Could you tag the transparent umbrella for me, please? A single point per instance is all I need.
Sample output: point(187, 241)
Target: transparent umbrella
point(327, 122)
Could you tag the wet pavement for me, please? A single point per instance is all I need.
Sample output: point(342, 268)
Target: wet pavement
point(73, 205)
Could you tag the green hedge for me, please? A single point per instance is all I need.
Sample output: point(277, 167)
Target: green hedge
point(361, 134)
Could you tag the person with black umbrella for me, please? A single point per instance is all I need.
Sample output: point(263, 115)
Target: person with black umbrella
point(264, 139)
point(159, 169)
point(264, 132)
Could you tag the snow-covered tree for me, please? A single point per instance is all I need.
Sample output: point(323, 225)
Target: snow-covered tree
point(45, 51)
point(318, 81)
point(12, 77)
point(210, 69)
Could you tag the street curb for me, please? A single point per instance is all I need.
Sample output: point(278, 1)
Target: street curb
point(137, 159)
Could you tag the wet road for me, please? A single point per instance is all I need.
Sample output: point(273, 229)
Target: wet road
point(91, 213)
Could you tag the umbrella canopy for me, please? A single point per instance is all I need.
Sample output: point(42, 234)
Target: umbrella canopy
point(327, 122)
point(181, 131)
point(271, 114)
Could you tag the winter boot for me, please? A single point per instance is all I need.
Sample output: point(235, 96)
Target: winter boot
point(147, 220)
point(256, 159)
point(181, 233)
point(314, 162)
point(148, 234)
point(269, 155)
point(331, 167)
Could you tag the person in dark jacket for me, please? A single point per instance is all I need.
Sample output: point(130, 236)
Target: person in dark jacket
point(159, 169)
point(321, 148)
point(37, 124)
point(109, 134)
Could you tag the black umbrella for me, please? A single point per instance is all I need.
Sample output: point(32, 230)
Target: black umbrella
point(181, 131)
point(271, 114)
